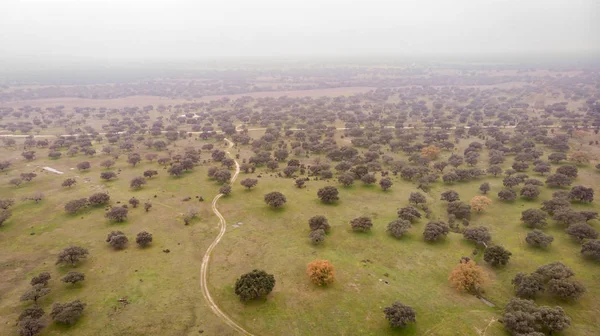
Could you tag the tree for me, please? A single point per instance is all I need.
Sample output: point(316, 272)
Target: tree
point(35, 293)
point(478, 234)
point(137, 182)
point(222, 176)
point(558, 180)
point(299, 183)
point(328, 194)
point(385, 183)
point(83, 165)
point(362, 223)
point(554, 205)
point(254, 285)
point(568, 170)
point(368, 179)
point(117, 214)
point(29, 155)
point(108, 175)
point(72, 255)
point(566, 289)
point(431, 152)
point(99, 198)
point(580, 157)
point(435, 231)
point(346, 179)
point(591, 249)
point(4, 165)
point(399, 315)
point(321, 272)
point(417, 198)
point(36, 197)
point(143, 238)
point(460, 210)
point(582, 194)
point(530, 192)
point(134, 202)
point(67, 313)
point(528, 286)
point(484, 188)
point(190, 215)
point(134, 159)
point(150, 173)
point(275, 199)
point(69, 182)
point(557, 157)
point(73, 277)
point(467, 276)
point(496, 255)
point(480, 203)
point(41, 279)
point(534, 218)
point(507, 195)
point(6, 203)
point(289, 171)
point(317, 236)
point(554, 319)
point(510, 182)
point(249, 183)
point(4, 216)
point(225, 189)
point(175, 170)
point(494, 170)
point(16, 182)
point(537, 238)
point(409, 213)
point(35, 312)
point(555, 270)
point(117, 240)
point(147, 206)
point(582, 231)
point(450, 196)
point(76, 205)
point(542, 169)
point(398, 227)
point(31, 326)
point(318, 222)
point(107, 163)
point(521, 317)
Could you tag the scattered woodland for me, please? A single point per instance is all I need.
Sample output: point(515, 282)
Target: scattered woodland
point(435, 200)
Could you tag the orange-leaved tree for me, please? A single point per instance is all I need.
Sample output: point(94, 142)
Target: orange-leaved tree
point(467, 276)
point(480, 203)
point(320, 272)
point(431, 152)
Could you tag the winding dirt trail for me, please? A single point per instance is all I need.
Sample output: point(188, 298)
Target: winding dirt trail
point(206, 258)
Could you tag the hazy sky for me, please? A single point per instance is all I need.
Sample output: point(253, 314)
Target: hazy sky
point(195, 29)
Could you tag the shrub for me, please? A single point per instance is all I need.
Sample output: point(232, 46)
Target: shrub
point(143, 238)
point(317, 236)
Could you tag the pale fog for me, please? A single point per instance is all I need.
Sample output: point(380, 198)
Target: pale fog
point(146, 30)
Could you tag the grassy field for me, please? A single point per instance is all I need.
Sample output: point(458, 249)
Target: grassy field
point(163, 289)
point(374, 269)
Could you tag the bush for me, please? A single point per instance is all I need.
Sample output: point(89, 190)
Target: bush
point(399, 315)
point(321, 272)
point(254, 285)
point(362, 223)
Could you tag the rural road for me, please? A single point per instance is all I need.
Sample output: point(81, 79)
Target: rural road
point(206, 259)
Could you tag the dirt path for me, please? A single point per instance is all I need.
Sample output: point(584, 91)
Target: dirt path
point(206, 258)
